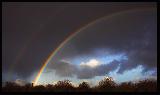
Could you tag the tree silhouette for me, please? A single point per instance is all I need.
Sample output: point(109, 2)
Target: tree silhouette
point(146, 86)
point(126, 86)
point(12, 86)
point(64, 85)
point(107, 84)
point(49, 87)
point(39, 88)
point(84, 86)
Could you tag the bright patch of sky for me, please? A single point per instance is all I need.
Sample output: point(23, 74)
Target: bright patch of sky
point(130, 75)
point(104, 59)
point(49, 77)
point(91, 63)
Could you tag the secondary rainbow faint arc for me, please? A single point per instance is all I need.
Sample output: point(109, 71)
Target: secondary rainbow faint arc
point(70, 37)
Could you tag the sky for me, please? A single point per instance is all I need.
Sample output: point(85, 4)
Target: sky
point(111, 39)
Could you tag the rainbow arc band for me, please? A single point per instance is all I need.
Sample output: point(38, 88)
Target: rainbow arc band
point(35, 81)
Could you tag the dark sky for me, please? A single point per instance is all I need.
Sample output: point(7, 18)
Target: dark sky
point(31, 31)
point(119, 34)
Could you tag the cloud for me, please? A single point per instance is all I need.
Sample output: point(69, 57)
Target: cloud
point(83, 70)
point(101, 70)
point(63, 68)
point(91, 63)
point(133, 34)
point(39, 42)
point(20, 82)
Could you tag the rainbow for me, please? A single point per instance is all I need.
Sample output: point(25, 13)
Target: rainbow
point(35, 81)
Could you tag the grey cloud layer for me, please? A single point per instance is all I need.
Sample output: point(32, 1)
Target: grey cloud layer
point(33, 30)
point(133, 33)
point(65, 69)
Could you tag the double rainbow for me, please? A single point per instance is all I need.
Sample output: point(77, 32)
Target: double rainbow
point(74, 34)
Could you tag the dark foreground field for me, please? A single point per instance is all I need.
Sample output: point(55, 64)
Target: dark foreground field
point(105, 85)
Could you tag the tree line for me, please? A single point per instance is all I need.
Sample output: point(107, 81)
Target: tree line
point(105, 85)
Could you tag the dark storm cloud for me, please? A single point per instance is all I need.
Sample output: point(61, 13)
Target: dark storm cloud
point(133, 33)
point(66, 69)
point(31, 31)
